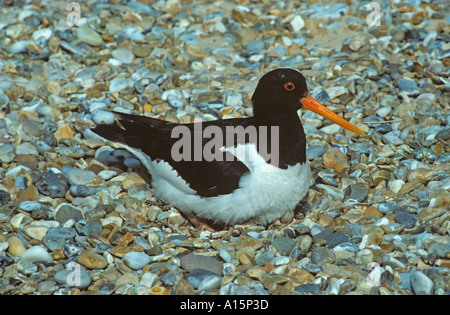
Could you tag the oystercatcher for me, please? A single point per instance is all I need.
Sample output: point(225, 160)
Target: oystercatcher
point(230, 181)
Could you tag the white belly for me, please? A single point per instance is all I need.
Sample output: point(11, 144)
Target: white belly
point(267, 192)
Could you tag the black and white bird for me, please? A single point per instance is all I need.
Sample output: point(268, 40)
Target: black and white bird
point(241, 168)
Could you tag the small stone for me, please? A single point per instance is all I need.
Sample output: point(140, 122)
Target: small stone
point(66, 212)
point(387, 207)
point(365, 256)
point(77, 176)
point(136, 260)
point(372, 211)
point(183, 287)
point(26, 148)
point(26, 267)
point(406, 85)
point(308, 289)
point(37, 253)
point(336, 160)
point(198, 275)
point(16, 246)
point(407, 219)
point(102, 117)
point(357, 192)
point(374, 235)
point(38, 229)
point(92, 260)
point(56, 237)
point(192, 261)
point(297, 23)
point(314, 151)
point(28, 194)
point(283, 244)
point(395, 185)
point(421, 284)
point(52, 185)
point(196, 51)
point(255, 47)
point(124, 55)
point(322, 255)
point(439, 249)
point(7, 152)
point(118, 84)
point(75, 277)
point(89, 36)
point(334, 239)
point(64, 132)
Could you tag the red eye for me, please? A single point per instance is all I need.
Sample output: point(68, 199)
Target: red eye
point(289, 86)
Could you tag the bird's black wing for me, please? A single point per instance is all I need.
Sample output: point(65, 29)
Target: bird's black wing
point(154, 138)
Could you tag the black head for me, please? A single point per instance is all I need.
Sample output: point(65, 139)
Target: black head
point(279, 90)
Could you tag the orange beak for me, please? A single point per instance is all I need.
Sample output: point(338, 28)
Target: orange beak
point(310, 103)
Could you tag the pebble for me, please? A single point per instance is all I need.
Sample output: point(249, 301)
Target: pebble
point(136, 260)
point(74, 276)
point(65, 212)
point(87, 35)
point(92, 260)
point(16, 246)
point(123, 55)
point(77, 176)
point(407, 219)
point(375, 217)
point(421, 284)
point(36, 253)
point(52, 185)
point(190, 262)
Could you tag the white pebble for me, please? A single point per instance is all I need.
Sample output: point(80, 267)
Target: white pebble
point(37, 253)
point(421, 284)
point(102, 117)
point(297, 23)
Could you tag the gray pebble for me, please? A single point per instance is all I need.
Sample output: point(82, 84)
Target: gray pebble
point(136, 260)
point(198, 275)
point(406, 85)
point(192, 261)
point(308, 289)
point(77, 176)
point(56, 237)
point(66, 212)
point(337, 238)
point(407, 219)
point(37, 253)
point(30, 206)
point(75, 277)
point(85, 191)
point(283, 244)
point(321, 255)
point(7, 152)
point(421, 284)
point(314, 151)
point(102, 117)
point(52, 185)
point(440, 249)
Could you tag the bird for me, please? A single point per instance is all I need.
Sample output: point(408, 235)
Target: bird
point(222, 170)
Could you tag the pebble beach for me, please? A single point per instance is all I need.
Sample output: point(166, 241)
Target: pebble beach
point(78, 215)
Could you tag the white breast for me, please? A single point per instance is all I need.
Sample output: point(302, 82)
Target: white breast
point(267, 192)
